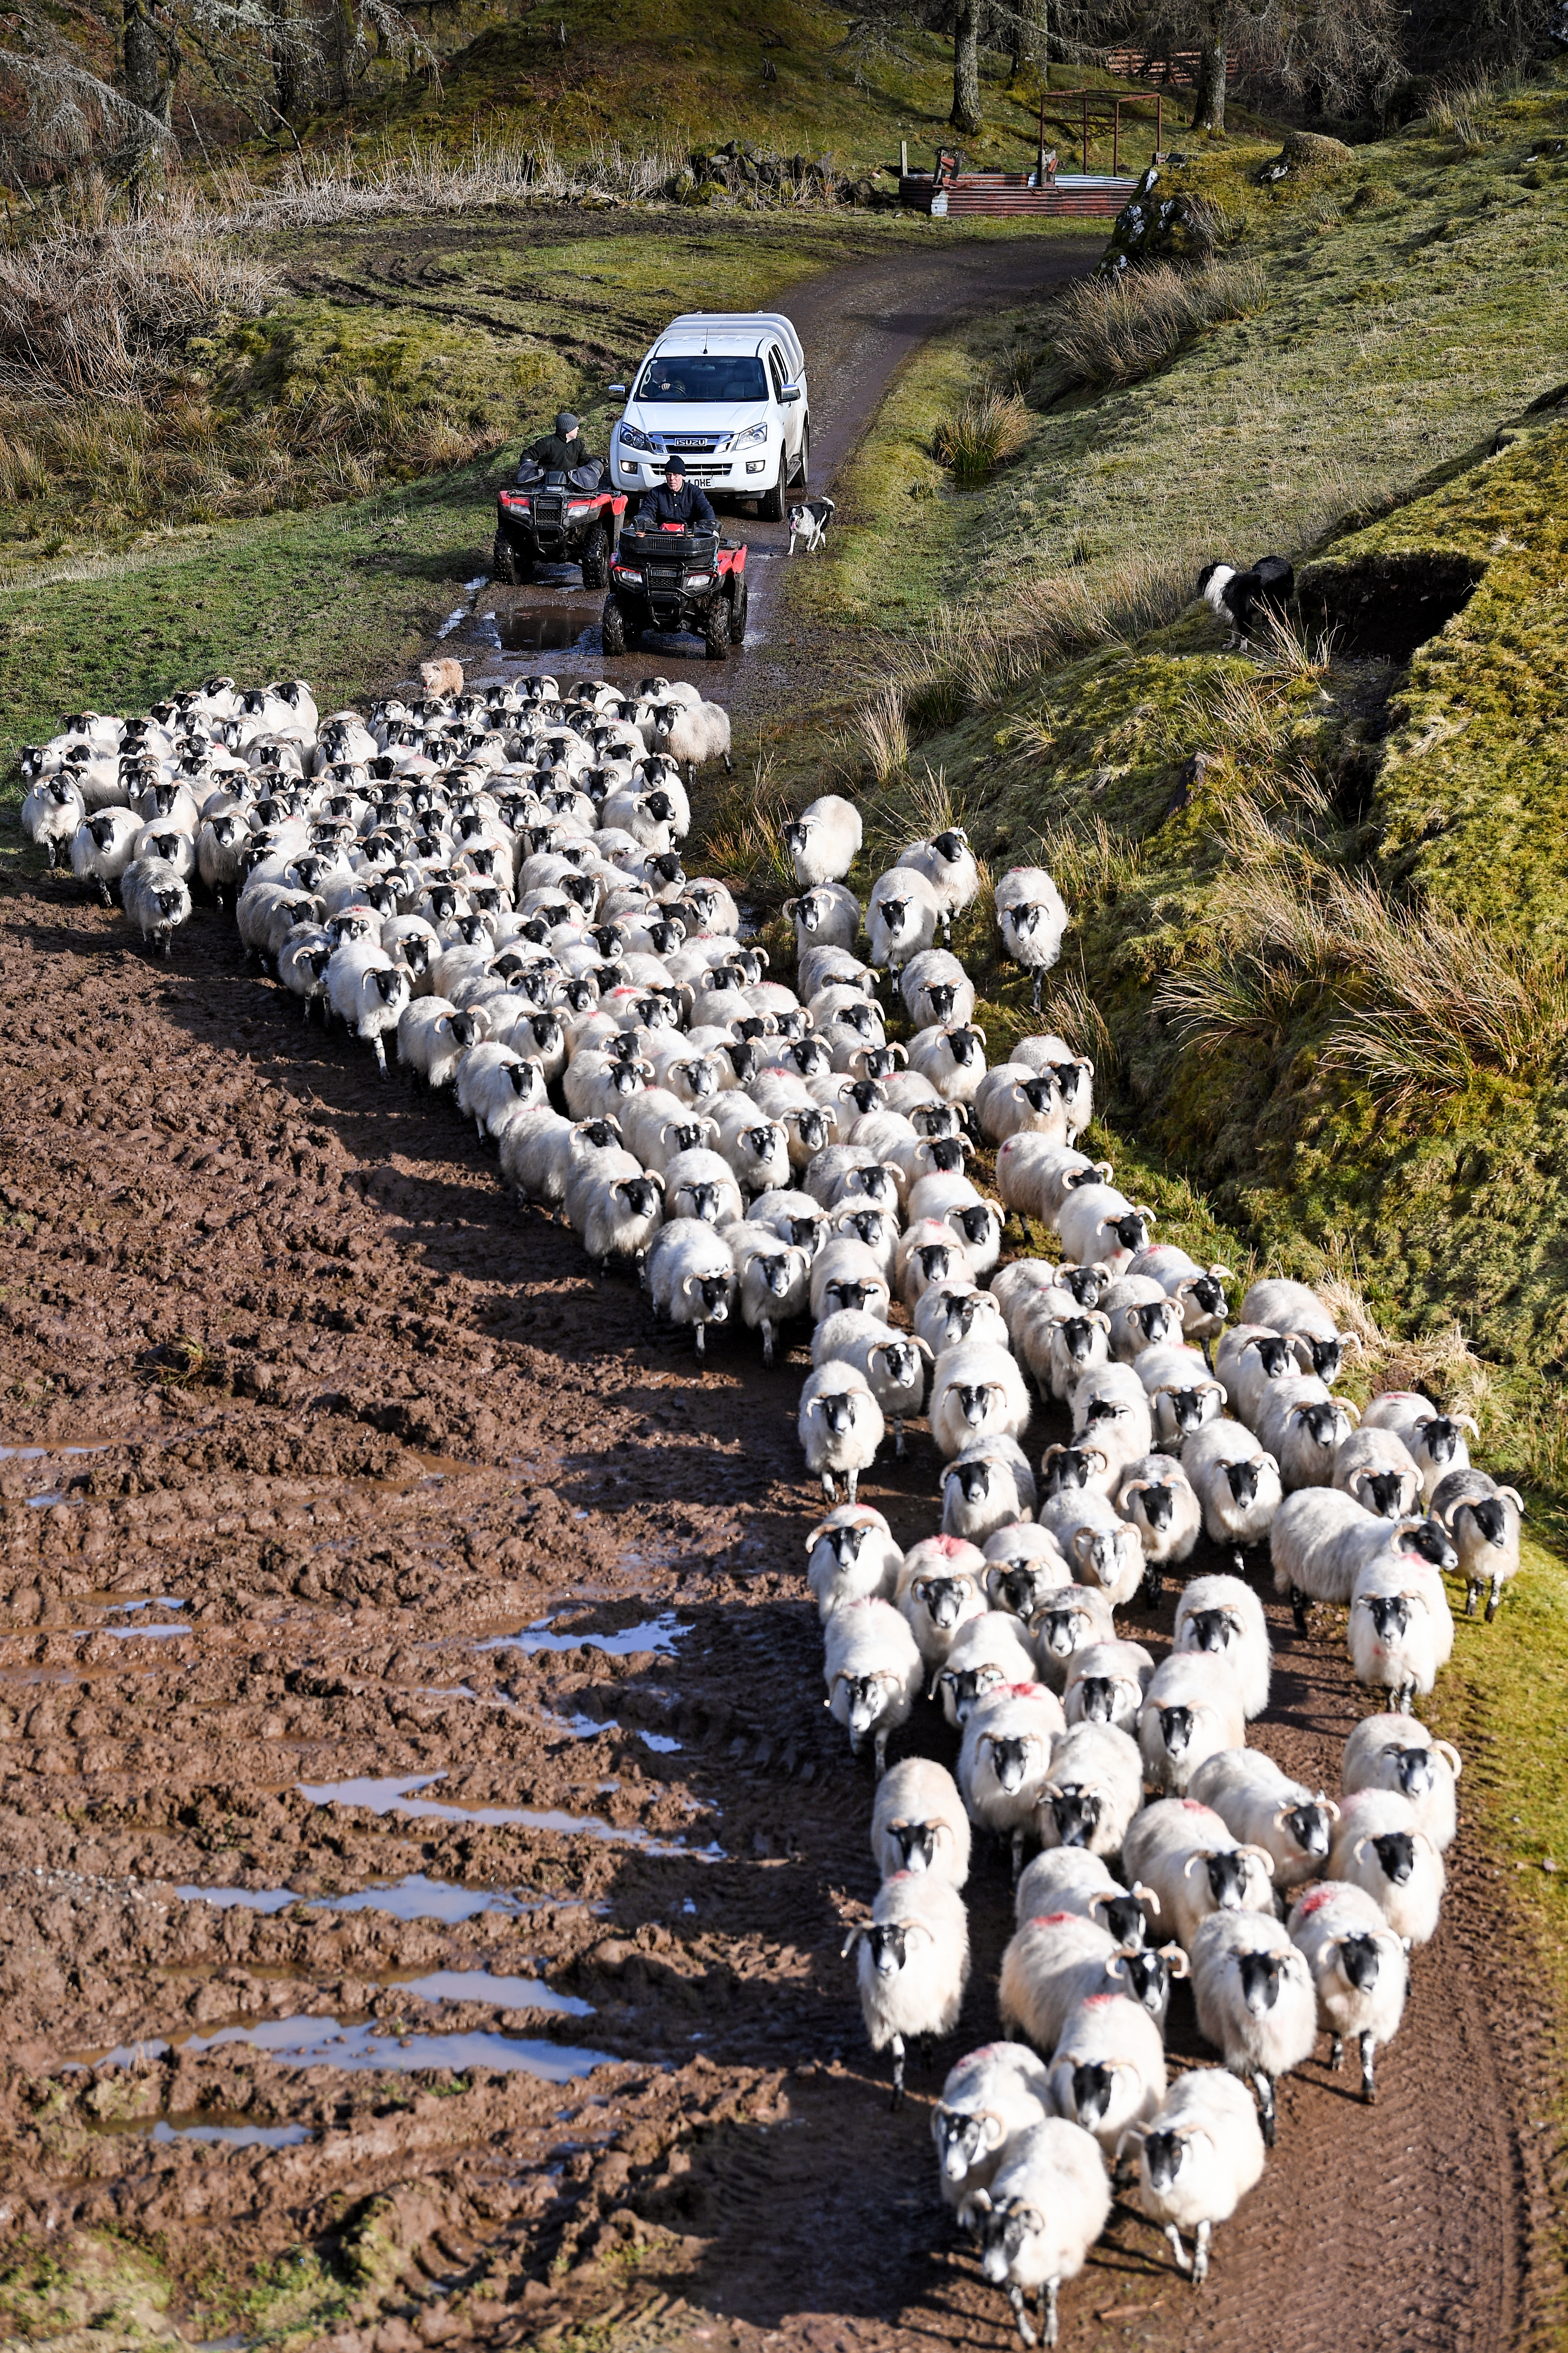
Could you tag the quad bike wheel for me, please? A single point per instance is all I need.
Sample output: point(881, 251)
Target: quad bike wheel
point(738, 614)
point(596, 561)
point(503, 561)
point(716, 628)
point(613, 628)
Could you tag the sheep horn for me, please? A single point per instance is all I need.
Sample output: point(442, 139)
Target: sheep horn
point(1466, 1422)
point(850, 1941)
point(1202, 1855)
point(1446, 1748)
point(1175, 1960)
point(1352, 1340)
point(1094, 1316)
point(1513, 1495)
point(1264, 1857)
point(1134, 1487)
point(1329, 1807)
point(1113, 1967)
point(1145, 1896)
point(1354, 1411)
point(1359, 1849)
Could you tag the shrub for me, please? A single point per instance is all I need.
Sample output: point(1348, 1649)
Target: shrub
point(1115, 331)
point(990, 427)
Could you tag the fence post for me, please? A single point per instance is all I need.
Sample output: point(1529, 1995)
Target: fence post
point(1159, 120)
point(903, 159)
point(1085, 96)
point(1116, 141)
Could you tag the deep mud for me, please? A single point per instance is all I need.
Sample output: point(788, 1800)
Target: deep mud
point(349, 1470)
point(327, 1465)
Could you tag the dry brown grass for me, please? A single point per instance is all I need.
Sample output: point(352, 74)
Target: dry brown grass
point(317, 190)
point(991, 427)
point(1116, 330)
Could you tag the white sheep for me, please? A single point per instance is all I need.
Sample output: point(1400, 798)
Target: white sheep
point(773, 1279)
point(1106, 1683)
point(936, 988)
point(1052, 1962)
point(986, 1650)
point(620, 1215)
point(1483, 1524)
point(901, 916)
point(840, 1426)
point(1184, 1854)
point(1198, 2156)
point(1303, 1426)
point(951, 867)
point(1321, 1540)
point(1035, 1177)
point(851, 1556)
point(893, 1364)
point(1192, 1707)
point(368, 993)
point(1095, 1789)
point(987, 1487)
point(1381, 1848)
point(156, 899)
point(1156, 1497)
point(953, 1059)
point(828, 916)
point(992, 2097)
point(1261, 1806)
point(1074, 1073)
point(1141, 1315)
point(1376, 1467)
point(1024, 1566)
point(699, 1184)
point(52, 809)
point(1183, 1393)
point(1032, 920)
point(1097, 1225)
point(1004, 1761)
point(1108, 2070)
point(1102, 1548)
point(1222, 1617)
point(873, 1673)
point(1060, 1342)
point(1071, 1879)
point(1295, 1310)
point(1400, 1631)
point(1360, 1973)
point(1397, 1752)
point(917, 1822)
point(493, 1082)
point(1047, 2205)
point(941, 1589)
point(847, 1277)
point(912, 1964)
point(824, 841)
point(103, 847)
point(1249, 1357)
point(689, 1276)
point(1255, 2001)
point(976, 1391)
point(1110, 1407)
point(1064, 1621)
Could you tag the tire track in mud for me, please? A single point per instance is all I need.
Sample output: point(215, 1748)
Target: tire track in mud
point(415, 1424)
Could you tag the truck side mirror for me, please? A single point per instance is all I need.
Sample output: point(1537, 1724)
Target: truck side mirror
point(790, 393)
point(616, 388)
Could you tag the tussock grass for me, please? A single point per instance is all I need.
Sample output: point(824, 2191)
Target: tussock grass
point(1116, 330)
point(879, 734)
point(737, 835)
point(316, 191)
point(991, 427)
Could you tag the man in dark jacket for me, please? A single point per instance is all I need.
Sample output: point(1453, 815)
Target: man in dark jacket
point(677, 501)
point(562, 450)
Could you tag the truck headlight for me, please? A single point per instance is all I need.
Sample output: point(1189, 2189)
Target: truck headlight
point(632, 439)
point(748, 439)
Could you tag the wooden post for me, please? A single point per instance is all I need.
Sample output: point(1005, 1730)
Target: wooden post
point(1159, 120)
point(903, 159)
point(1040, 145)
point(1116, 141)
point(1084, 99)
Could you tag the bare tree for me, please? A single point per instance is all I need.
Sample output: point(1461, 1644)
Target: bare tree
point(966, 114)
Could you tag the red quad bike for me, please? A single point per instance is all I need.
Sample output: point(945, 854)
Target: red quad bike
point(672, 579)
point(556, 518)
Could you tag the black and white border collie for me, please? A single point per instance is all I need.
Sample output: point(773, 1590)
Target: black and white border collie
point(1239, 596)
point(809, 524)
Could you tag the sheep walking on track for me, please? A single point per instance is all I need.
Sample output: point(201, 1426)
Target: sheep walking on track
point(1198, 2155)
point(1047, 2205)
point(912, 1963)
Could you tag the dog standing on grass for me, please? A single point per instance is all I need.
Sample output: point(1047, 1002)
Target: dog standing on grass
point(809, 524)
point(1239, 596)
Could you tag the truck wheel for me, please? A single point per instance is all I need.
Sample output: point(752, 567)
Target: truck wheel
point(613, 628)
point(803, 480)
point(503, 561)
point(716, 628)
point(738, 615)
point(771, 505)
point(596, 561)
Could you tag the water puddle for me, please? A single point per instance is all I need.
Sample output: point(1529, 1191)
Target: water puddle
point(561, 629)
point(167, 2133)
point(394, 1797)
point(331, 2042)
point(653, 1634)
point(133, 1601)
point(413, 1898)
point(131, 1633)
point(478, 1985)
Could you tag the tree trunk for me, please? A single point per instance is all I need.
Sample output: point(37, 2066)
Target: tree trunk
point(1033, 36)
point(966, 115)
point(285, 64)
point(1208, 104)
point(143, 80)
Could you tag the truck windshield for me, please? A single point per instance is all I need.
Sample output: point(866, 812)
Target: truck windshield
point(702, 378)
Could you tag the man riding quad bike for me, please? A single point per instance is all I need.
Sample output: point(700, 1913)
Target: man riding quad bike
point(671, 573)
point(561, 510)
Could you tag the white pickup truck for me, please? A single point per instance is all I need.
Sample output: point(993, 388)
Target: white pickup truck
point(727, 388)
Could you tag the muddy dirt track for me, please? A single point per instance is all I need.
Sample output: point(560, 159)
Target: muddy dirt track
point(330, 1467)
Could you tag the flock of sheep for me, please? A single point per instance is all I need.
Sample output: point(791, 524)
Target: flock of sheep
point(495, 882)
